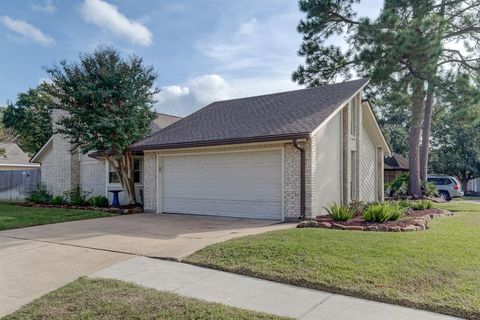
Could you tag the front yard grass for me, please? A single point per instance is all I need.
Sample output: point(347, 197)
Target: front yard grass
point(14, 216)
point(112, 299)
point(437, 269)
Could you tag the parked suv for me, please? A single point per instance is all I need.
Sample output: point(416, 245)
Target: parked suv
point(448, 187)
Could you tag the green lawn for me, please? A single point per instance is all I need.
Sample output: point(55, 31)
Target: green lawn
point(14, 216)
point(111, 299)
point(437, 269)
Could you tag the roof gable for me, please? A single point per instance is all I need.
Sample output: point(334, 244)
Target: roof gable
point(268, 117)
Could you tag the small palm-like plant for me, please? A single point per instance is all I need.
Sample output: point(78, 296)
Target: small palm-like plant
point(383, 212)
point(421, 205)
point(339, 212)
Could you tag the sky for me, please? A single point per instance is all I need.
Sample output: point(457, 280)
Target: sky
point(202, 50)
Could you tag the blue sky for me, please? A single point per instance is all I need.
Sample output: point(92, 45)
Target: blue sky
point(202, 50)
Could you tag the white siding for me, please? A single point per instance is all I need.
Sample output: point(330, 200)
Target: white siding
point(47, 170)
point(92, 175)
point(367, 167)
point(327, 166)
point(474, 185)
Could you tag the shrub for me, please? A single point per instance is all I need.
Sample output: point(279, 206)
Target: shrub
point(77, 197)
point(399, 186)
point(421, 205)
point(339, 213)
point(58, 200)
point(430, 189)
point(357, 207)
point(383, 212)
point(40, 195)
point(396, 211)
point(98, 201)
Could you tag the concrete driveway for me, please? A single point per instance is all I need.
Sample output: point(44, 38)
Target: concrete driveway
point(36, 260)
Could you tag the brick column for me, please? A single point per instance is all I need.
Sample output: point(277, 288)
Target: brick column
point(346, 155)
point(150, 170)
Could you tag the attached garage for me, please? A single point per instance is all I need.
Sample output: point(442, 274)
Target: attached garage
point(243, 184)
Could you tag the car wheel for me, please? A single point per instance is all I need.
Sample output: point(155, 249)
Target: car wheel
point(444, 195)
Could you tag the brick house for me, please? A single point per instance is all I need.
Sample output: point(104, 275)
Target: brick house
point(278, 156)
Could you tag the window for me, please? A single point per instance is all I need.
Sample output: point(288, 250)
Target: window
point(137, 173)
point(440, 181)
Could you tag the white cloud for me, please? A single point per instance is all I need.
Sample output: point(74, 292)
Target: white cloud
point(201, 91)
point(267, 45)
point(27, 30)
point(107, 16)
point(196, 93)
point(47, 7)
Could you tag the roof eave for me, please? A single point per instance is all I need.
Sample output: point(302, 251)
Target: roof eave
point(303, 135)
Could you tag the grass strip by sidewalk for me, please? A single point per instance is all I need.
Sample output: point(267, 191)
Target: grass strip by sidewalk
point(13, 216)
point(437, 269)
point(112, 299)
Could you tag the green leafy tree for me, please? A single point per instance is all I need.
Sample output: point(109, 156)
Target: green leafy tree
point(28, 121)
point(109, 103)
point(408, 43)
point(456, 132)
point(393, 114)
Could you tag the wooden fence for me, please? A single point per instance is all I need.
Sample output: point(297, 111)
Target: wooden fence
point(16, 185)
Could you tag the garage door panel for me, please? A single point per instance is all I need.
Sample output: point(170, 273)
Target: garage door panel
point(238, 185)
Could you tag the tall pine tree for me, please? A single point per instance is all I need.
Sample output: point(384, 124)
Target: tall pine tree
point(411, 42)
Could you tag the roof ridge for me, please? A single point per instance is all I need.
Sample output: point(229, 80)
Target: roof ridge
point(289, 91)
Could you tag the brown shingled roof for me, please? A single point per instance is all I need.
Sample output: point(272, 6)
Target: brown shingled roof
point(292, 114)
point(396, 162)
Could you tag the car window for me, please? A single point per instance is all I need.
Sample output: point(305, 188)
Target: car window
point(440, 181)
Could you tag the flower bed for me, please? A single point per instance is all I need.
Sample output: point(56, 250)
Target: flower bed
point(121, 210)
point(411, 221)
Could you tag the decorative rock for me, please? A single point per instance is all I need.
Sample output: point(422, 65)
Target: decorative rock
point(409, 228)
point(419, 228)
point(338, 226)
point(371, 228)
point(308, 224)
point(394, 229)
point(354, 228)
point(324, 224)
point(383, 228)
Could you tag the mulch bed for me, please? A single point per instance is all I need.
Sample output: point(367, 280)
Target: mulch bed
point(411, 221)
point(121, 210)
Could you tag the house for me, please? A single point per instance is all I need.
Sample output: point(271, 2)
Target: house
point(13, 158)
point(473, 187)
point(278, 156)
point(61, 170)
point(395, 165)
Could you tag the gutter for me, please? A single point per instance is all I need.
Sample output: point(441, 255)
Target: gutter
point(302, 179)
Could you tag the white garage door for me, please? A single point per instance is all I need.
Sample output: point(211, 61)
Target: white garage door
point(247, 184)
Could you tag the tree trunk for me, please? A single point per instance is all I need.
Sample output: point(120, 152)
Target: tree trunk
point(464, 183)
point(124, 169)
point(427, 121)
point(414, 186)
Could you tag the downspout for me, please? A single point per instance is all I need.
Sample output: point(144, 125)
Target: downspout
point(302, 179)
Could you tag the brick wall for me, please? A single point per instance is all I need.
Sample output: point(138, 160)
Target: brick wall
point(150, 182)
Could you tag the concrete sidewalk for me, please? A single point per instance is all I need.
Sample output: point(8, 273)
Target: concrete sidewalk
point(254, 294)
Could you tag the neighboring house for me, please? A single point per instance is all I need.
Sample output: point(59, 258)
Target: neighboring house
point(276, 156)
point(473, 186)
point(61, 170)
point(395, 165)
point(14, 158)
